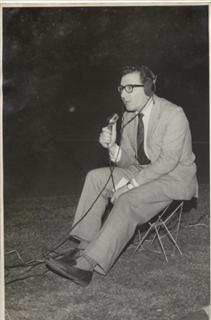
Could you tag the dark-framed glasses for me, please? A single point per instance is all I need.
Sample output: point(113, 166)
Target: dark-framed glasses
point(128, 88)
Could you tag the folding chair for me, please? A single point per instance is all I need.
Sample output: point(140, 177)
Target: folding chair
point(162, 222)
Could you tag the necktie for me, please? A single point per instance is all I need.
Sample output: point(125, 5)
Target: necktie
point(142, 158)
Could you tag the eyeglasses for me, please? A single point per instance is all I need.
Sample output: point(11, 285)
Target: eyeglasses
point(129, 87)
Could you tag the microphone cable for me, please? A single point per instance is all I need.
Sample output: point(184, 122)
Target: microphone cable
point(36, 262)
point(112, 163)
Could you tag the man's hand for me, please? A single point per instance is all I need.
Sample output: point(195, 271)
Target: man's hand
point(118, 193)
point(108, 136)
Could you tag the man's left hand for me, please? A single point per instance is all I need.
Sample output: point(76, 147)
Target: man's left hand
point(118, 193)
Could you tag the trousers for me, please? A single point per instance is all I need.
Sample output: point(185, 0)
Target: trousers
point(134, 207)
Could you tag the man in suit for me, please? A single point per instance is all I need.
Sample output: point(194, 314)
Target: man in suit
point(154, 165)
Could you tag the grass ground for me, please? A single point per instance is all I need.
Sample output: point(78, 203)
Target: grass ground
point(139, 286)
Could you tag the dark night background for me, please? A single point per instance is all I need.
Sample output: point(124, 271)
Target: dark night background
point(60, 73)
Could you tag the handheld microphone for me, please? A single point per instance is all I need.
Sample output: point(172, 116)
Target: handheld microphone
point(113, 119)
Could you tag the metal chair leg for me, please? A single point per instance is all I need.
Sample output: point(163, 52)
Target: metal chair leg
point(160, 223)
point(170, 235)
point(163, 212)
point(161, 244)
point(146, 234)
point(178, 225)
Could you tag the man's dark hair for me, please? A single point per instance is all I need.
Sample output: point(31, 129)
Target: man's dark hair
point(147, 77)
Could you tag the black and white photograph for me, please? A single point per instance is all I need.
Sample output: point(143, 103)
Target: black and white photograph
point(105, 139)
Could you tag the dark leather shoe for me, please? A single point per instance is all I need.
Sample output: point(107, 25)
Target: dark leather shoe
point(65, 267)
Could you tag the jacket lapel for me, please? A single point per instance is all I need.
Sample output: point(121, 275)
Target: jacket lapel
point(153, 117)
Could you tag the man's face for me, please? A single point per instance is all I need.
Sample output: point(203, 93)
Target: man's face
point(135, 100)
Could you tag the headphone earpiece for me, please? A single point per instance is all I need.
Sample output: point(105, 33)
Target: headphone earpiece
point(150, 84)
point(149, 87)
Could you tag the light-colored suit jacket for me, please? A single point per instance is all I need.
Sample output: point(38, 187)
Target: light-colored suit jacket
point(169, 147)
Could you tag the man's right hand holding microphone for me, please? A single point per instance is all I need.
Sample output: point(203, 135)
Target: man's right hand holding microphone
point(108, 136)
point(108, 140)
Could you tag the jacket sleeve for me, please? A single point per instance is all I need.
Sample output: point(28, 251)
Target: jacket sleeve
point(171, 148)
